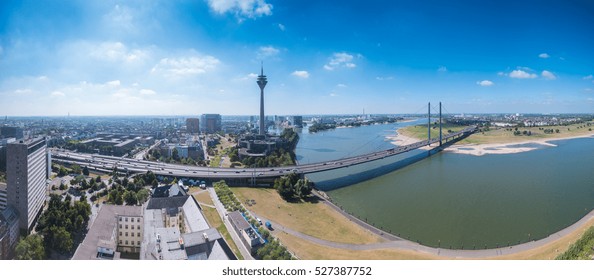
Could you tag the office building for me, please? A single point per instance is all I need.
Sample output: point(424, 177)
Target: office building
point(26, 175)
point(211, 123)
point(193, 125)
point(11, 132)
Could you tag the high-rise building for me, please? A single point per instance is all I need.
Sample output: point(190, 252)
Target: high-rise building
point(193, 125)
point(297, 121)
point(26, 173)
point(11, 131)
point(262, 81)
point(211, 123)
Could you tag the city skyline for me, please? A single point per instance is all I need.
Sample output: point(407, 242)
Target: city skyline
point(197, 57)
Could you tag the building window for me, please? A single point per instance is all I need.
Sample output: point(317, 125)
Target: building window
point(126, 219)
point(126, 242)
point(120, 226)
point(126, 226)
point(138, 243)
point(120, 242)
point(126, 234)
point(138, 220)
point(120, 233)
point(120, 219)
point(132, 226)
point(139, 234)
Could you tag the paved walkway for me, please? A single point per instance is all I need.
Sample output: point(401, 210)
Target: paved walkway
point(223, 214)
point(395, 242)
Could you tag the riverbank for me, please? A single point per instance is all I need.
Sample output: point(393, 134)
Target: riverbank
point(508, 147)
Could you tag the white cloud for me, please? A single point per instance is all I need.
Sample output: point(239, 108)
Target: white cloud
point(301, 74)
point(501, 74)
point(57, 94)
point(116, 52)
point(442, 69)
point(241, 8)
point(281, 27)
point(589, 77)
point(521, 74)
point(23, 91)
point(548, 75)
point(384, 78)
point(485, 83)
point(185, 66)
point(341, 85)
point(267, 51)
point(252, 76)
point(147, 92)
point(120, 17)
point(544, 55)
point(333, 94)
point(115, 83)
point(341, 59)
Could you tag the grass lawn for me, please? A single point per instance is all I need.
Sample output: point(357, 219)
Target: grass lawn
point(500, 135)
point(311, 218)
point(306, 250)
point(213, 218)
point(214, 162)
point(203, 197)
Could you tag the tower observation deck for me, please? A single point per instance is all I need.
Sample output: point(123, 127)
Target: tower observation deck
point(262, 81)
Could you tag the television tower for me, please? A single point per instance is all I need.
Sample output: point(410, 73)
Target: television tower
point(262, 83)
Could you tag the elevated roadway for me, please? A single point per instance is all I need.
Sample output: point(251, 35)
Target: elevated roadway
point(109, 163)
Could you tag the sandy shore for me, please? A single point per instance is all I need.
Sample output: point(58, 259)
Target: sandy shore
point(401, 140)
point(484, 149)
point(506, 148)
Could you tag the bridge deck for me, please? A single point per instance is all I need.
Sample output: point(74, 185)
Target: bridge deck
point(108, 163)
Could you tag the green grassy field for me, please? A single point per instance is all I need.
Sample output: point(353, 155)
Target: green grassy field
point(312, 218)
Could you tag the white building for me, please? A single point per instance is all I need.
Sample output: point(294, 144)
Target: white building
point(26, 173)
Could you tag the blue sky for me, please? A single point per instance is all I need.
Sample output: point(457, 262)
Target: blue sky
point(321, 57)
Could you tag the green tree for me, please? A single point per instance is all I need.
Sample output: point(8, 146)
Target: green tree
point(175, 155)
point(75, 169)
point(59, 239)
point(130, 197)
point(30, 248)
point(142, 195)
point(85, 171)
point(62, 171)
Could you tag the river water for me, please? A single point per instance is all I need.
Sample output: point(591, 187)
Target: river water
point(454, 200)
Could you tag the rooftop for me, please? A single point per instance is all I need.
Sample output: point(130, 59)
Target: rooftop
point(103, 230)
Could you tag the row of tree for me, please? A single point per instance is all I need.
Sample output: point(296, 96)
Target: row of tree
point(227, 197)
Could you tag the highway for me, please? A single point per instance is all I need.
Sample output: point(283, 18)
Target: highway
point(108, 163)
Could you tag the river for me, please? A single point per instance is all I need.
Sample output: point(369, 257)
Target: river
point(457, 201)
